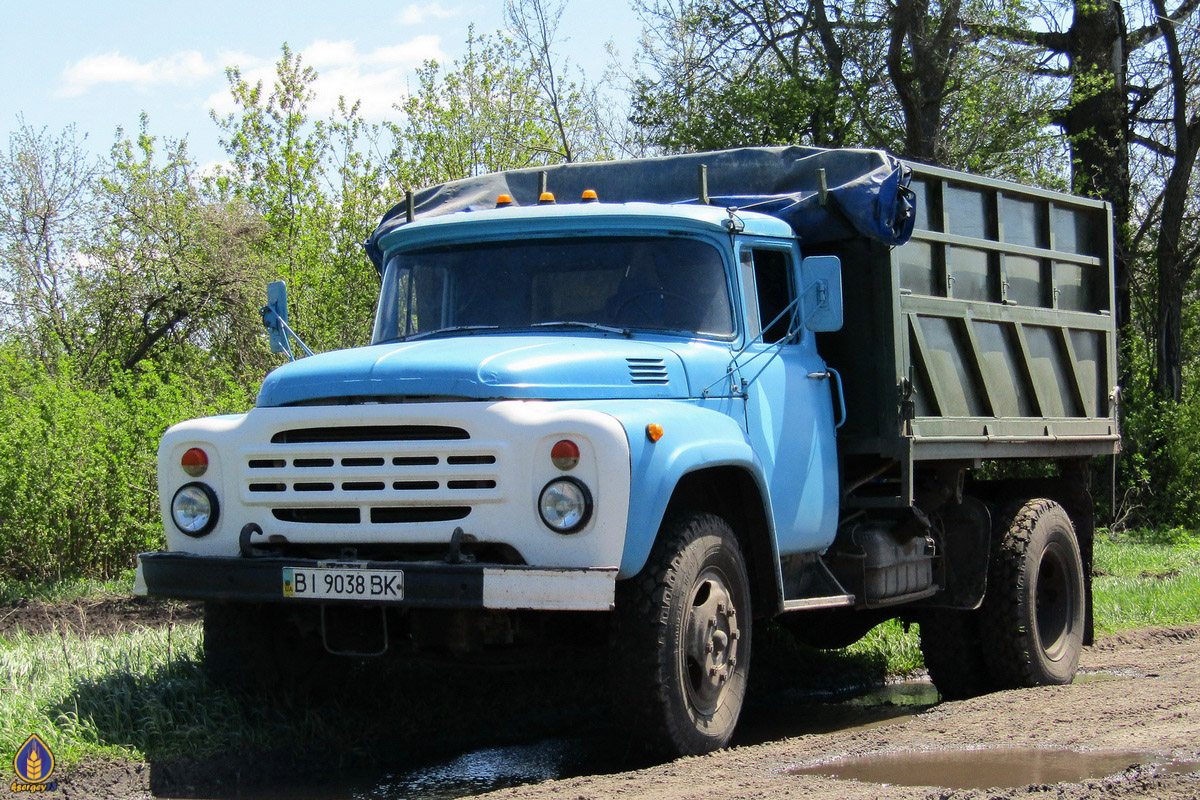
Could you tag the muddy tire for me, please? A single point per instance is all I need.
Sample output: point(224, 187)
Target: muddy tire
point(1033, 618)
point(950, 644)
point(683, 639)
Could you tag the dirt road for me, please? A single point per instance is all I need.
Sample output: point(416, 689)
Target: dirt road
point(1151, 703)
point(1142, 694)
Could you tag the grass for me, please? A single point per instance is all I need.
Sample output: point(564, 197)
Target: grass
point(1143, 580)
point(64, 591)
point(103, 695)
point(143, 695)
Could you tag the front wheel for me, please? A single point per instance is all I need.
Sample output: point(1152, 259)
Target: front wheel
point(1034, 613)
point(683, 638)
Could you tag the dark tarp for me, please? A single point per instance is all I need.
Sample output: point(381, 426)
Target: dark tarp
point(867, 190)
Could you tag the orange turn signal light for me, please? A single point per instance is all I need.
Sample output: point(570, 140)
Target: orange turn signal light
point(194, 462)
point(654, 431)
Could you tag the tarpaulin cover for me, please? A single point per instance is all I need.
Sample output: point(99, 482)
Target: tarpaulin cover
point(867, 190)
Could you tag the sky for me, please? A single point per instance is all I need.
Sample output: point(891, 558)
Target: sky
point(98, 64)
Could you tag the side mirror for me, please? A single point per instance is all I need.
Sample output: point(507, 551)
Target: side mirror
point(821, 293)
point(275, 315)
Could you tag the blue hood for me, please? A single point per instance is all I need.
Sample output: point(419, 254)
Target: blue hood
point(484, 367)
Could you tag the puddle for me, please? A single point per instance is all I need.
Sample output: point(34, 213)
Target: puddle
point(892, 704)
point(987, 769)
point(1096, 677)
point(486, 770)
point(905, 693)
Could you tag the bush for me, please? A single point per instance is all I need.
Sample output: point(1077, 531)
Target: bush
point(77, 466)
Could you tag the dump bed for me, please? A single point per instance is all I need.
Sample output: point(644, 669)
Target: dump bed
point(990, 334)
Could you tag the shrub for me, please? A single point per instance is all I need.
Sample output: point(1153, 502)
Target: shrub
point(77, 466)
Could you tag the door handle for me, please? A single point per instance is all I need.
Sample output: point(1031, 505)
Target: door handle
point(841, 395)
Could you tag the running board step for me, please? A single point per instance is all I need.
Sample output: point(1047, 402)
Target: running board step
point(808, 583)
point(833, 601)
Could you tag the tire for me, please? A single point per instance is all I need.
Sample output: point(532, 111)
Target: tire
point(953, 652)
point(683, 638)
point(1033, 616)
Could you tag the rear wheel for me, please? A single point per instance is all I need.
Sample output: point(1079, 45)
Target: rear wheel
point(683, 638)
point(1033, 617)
point(950, 644)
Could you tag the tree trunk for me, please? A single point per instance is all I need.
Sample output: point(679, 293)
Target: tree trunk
point(1097, 124)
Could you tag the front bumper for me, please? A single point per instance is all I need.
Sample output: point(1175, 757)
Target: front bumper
point(426, 584)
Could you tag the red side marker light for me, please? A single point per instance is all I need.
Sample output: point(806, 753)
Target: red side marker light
point(565, 454)
point(194, 462)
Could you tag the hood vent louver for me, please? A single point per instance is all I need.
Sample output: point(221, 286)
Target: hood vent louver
point(647, 371)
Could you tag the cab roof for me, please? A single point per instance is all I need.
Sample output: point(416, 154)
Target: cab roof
point(591, 217)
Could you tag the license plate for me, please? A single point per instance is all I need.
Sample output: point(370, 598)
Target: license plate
point(341, 583)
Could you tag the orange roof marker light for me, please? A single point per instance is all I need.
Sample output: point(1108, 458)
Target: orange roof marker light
point(590, 196)
point(504, 200)
point(547, 198)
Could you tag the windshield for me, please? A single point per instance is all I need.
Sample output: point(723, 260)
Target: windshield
point(652, 283)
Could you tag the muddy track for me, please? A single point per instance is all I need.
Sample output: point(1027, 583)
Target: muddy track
point(1148, 699)
point(102, 615)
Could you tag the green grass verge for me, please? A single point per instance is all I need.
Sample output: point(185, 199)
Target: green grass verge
point(103, 695)
point(64, 591)
point(143, 695)
point(1146, 579)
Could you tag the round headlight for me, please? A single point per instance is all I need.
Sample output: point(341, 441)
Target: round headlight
point(194, 509)
point(565, 505)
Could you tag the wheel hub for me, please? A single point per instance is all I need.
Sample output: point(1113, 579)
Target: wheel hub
point(1054, 608)
point(711, 648)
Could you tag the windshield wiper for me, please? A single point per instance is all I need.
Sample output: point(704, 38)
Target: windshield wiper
point(571, 323)
point(451, 329)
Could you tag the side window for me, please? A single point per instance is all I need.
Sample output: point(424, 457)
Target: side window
point(773, 285)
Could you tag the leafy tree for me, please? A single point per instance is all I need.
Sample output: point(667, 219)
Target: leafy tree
point(908, 77)
point(172, 271)
point(315, 187)
point(481, 114)
point(46, 216)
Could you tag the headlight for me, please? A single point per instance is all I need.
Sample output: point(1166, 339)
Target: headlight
point(565, 505)
point(194, 509)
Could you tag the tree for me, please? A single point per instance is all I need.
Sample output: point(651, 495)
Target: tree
point(572, 109)
point(46, 215)
point(1176, 255)
point(908, 77)
point(482, 114)
point(172, 271)
point(316, 189)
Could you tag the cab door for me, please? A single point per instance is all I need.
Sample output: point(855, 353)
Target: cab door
point(788, 398)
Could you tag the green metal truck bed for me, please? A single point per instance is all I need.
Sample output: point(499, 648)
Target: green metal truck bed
point(989, 335)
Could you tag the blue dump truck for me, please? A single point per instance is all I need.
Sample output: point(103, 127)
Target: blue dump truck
point(690, 395)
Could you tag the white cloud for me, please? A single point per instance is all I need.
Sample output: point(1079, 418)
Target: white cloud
point(213, 169)
point(179, 69)
point(378, 78)
point(414, 14)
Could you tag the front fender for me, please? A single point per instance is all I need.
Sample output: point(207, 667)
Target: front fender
point(693, 438)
